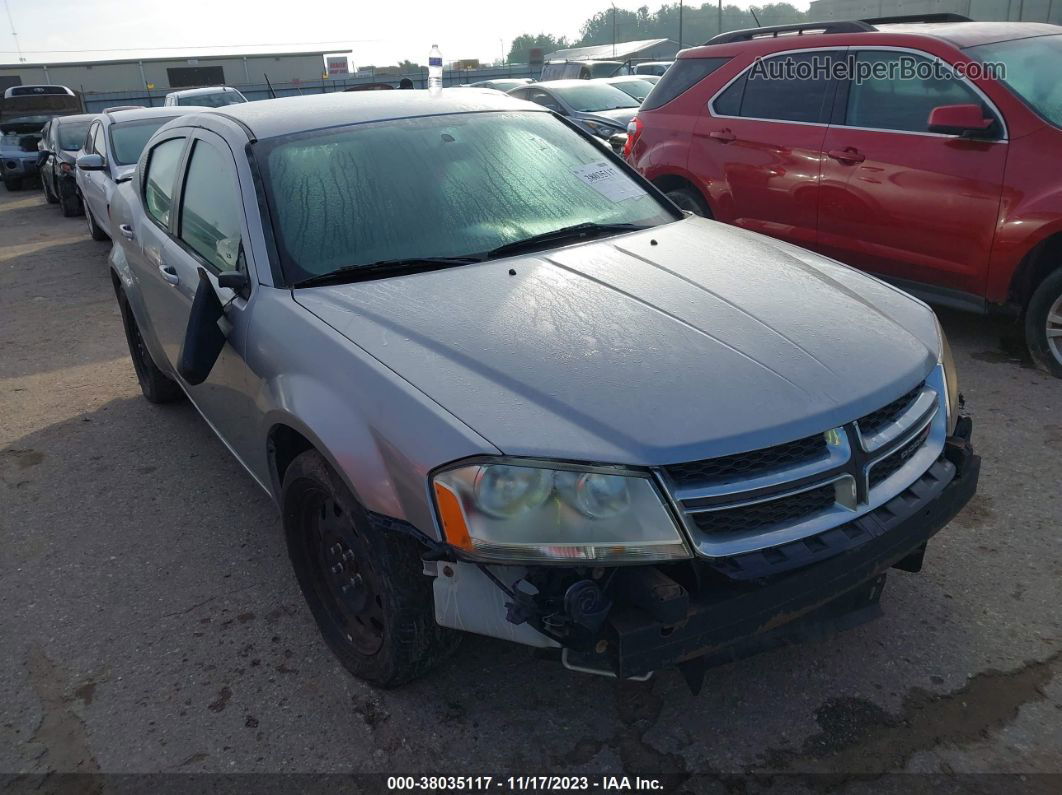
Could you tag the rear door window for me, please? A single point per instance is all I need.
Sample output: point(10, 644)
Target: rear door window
point(680, 78)
point(161, 177)
point(790, 87)
point(210, 207)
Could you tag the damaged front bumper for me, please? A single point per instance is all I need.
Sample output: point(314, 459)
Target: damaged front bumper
point(629, 622)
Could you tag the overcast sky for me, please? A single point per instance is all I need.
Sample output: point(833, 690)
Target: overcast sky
point(377, 32)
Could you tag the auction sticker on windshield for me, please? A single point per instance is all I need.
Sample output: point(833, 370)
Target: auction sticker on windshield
point(609, 181)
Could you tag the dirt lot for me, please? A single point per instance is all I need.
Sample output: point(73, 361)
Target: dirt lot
point(150, 621)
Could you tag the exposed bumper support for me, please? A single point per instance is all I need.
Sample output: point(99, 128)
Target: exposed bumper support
point(839, 592)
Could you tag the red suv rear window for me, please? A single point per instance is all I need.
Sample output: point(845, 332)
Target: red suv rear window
point(683, 75)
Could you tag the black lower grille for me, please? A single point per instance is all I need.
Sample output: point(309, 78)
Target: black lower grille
point(890, 465)
point(763, 515)
point(755, 462)
point(876, 420)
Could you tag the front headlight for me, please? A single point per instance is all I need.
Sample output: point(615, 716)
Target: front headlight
point(602, 130)
point(539, 512)
point(951, 379)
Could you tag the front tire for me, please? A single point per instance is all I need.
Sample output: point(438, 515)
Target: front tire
point(13, 183)
point(155, 384)
point(94, 229)
point(689, 200)
point(364, 585)
point(69, 202)
point(1043, 324)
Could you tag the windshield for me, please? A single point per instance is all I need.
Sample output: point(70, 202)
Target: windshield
point(128, 139)
point(594, 97)
point(1032, 69)
point(217, 100)
point(23, 124)
point(639, 89)
point(605, 69)
point(443, 186)
point(72, 134)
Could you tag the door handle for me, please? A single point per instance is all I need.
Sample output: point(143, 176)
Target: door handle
point(722, 136)
point(847, 155)
point(127, 231)
point(169, 274)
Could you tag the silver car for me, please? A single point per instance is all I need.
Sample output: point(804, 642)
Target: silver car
point(205, 97)
point(112, 146)
point(497, 383)
point(593, 105)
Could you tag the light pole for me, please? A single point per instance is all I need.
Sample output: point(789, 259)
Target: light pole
point(680, 24)
point(614, 29)
point(720, 22)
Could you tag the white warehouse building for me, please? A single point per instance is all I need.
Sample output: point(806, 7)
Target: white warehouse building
point(136, 75)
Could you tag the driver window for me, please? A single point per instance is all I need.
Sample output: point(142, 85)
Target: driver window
point(545, 100)
point(210, 208)
point(892, 102)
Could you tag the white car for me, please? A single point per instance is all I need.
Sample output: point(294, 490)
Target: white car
point(112, 146)
point(208, 97)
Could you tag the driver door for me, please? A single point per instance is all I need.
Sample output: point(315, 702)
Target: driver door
point(205, 230)
point(899, 200)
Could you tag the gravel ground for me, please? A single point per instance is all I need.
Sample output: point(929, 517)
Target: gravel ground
point(151, 622)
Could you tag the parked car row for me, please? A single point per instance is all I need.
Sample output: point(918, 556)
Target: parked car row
point(441, 333)
point(938, 180)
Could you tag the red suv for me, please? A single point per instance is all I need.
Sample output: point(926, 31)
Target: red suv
point(926, 150)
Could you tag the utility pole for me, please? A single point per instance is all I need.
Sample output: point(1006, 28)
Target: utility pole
point(14, 35)
point(614, 29)
point(720, 23)
point(680, 24)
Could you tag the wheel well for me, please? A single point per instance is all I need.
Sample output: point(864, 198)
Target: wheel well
point(1045, 258)
point(669, 182)
point(285, 444)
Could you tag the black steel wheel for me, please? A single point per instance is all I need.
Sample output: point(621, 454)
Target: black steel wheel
point(364, 585)
point(155, 384)
point(94, 229)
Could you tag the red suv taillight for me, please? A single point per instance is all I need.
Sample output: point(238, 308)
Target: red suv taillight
point(634, 132)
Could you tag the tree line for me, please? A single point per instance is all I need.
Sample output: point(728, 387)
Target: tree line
point(699, 23)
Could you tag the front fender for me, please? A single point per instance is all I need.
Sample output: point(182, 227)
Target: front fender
point(382, 435)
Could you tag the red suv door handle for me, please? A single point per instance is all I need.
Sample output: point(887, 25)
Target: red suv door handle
point(847, 155)
point(723, 136)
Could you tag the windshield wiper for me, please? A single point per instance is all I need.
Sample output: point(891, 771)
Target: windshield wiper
point(576, 232)
point(384, 268)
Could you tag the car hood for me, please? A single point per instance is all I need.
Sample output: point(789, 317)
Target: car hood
point(681, 342)
point(620, 116)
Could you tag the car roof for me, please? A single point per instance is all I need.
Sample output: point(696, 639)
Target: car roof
point(574, 83)
point(969, 34)
point(75, 117)
point(287, 115)
point(164, 111)
point(958, 34)
point(17, 91)
point(191, 92)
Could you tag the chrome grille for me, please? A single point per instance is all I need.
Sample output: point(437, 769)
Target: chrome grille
point(763, 498)
point(888, 466)
point(876, 420)
point(767, 513)
point(756, 462)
